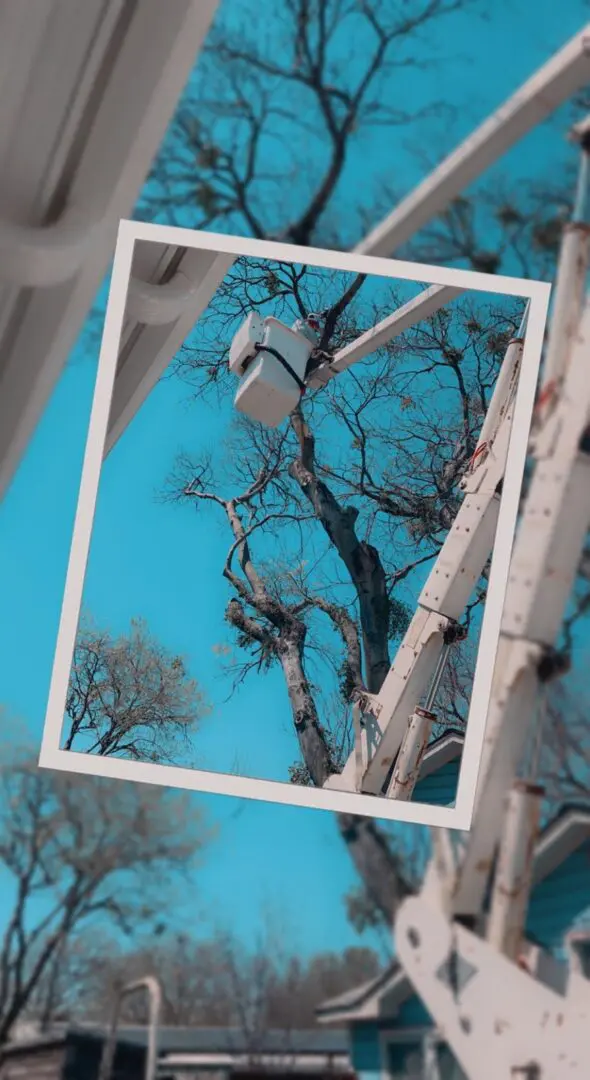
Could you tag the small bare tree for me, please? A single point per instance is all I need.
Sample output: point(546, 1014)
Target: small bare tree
point(81, 852)
point(274, 113)
point(218, 982)
point(129, 697)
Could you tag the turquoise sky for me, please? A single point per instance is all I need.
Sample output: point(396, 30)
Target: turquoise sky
point(266, 855)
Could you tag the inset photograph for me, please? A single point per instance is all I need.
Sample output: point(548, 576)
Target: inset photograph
point(296, 514)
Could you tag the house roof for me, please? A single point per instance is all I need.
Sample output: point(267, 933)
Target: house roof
point(565, 831)
point(235, 1041)
point(208, 1041)
point(442, 750)
point(157, 325)
point(363, 1002)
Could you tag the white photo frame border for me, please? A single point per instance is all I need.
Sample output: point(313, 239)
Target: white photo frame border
point(52, 756)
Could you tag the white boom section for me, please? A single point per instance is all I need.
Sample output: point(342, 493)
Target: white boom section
point(532, 1029)
point(421, 307)
point(440, 605)
point(412, 750)
point(158, 319)
point(88, 91)
point(568, 298)
point(513, 876)
point(501, 1023)
point(544, 564)
point(549, 88)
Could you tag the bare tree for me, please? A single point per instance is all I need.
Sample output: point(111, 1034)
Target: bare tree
point(508, 226)
point(128, 696)
point(261, 145)
point(274, 112)
point(218, 982)
point(81, 852)
point(331, 533)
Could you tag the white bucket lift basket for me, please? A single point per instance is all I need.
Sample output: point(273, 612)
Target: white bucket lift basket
point(271, 360)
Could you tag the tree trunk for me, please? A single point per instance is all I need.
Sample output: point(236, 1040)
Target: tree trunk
point(360, 559)
point(378, 867)
point(312, 741)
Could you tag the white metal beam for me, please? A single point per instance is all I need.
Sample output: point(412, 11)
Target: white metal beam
point(160, 305)
point(415, 311)
point(441, 602)
point(526, 1030)
point(143, 73)
point(167, 319)
point(551, 86)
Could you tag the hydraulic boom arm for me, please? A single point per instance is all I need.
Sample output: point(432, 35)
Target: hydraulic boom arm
point(462, 940)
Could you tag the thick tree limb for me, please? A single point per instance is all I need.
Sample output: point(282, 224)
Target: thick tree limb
point(338, 309)
point(377, 865)
point(360, 558)
point(310, 734)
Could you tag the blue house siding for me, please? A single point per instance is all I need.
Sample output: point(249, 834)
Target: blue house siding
point(561, 901)
point(404, 1060)
point(440, 788)
point(372, 1055)
point(413, 1014)
point(365, 1050)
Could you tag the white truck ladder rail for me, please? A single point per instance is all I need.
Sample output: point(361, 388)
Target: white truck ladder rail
point(568, 296)
point(411, 753)
point(514, 869)
point(544, 562)
point(455, 971)
point(502, 398)
point(415, 741)
point(441, 604)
